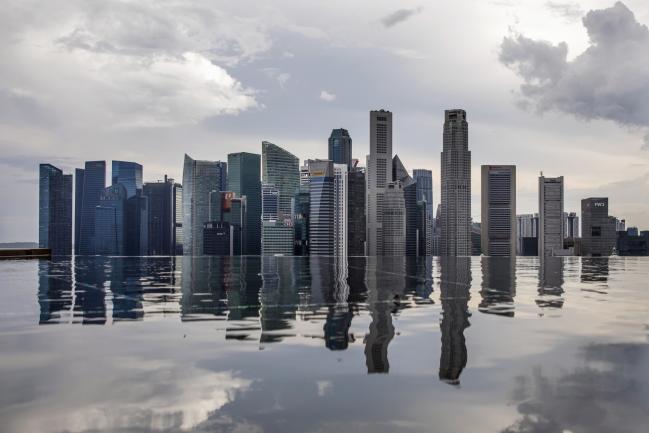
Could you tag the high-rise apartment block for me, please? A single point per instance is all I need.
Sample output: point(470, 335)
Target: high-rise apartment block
point(456, 186)
point(498, 222)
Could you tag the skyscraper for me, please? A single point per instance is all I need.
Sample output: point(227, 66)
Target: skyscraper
point(341, 189)
point(321, 218)
point(164, 216)
point(244, 180)
point(378, 174)
point(199, 179)
point(424, 180)
point(356, 229)
point(301, 213)
point(78, 199)
point(598, 229)
point(94, 182)
point(570, 225)
point(456, 186)
point(128, 174)
point(550, 215)
point(399, 173)
point(340, 147)
point(498, 222)
point(527, 232)
point(55, 210)
point(269, 202)
point(282, 169)
point(394, 220)
point(110, 221)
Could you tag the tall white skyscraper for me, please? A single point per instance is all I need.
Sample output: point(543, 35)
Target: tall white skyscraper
point(456, 186)
point(550, 215)
point(498, 223)
point(341, 188)
point(379, 173)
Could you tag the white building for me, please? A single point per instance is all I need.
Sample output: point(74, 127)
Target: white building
point(341, 188)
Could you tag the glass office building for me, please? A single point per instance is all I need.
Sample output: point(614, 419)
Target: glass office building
point(282, 169)
point(94, 182)
point(55, 210)
point(340, 147)
point(244, 180)
point(110, 222)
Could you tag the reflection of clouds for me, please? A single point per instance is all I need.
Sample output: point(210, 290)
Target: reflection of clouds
point(153, 396)
point(324, 387)
point(610, 393)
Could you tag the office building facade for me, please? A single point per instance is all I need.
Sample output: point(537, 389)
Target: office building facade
point(340, 147)
point(321, 217)
point(110, 221)
point(399, 173)
point(424, 180)
point(276, 239)
point(94, 182)
point(164, 217)
point(498, 222)
point(455, 186)
point(78, 199)
point(394, 220)
point(218, 239)
point(378, 174)
point(301, 212)
point(356, 229)
point(551, 201)
point(199, 179)
point(570, 225)
point(244, 171)
point(282, 169)
point(341, 189)
point(598, 228)
point(527, 234)
point(55, 210)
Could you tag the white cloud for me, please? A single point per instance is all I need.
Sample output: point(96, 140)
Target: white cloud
point(609, 80)
point(326, 96)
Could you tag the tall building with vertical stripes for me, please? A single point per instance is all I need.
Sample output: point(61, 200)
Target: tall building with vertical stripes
point(55, 210)
point(378, 174)
point(498, 222)
point(456, 186)
point(321, 217)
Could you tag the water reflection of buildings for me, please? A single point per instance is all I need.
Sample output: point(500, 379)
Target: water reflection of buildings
point(455, 283)
point(498, 285)
point(594, 270)
point(550, 282)
point(385, 278)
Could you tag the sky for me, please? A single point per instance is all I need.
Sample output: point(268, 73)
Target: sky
point(555, 87)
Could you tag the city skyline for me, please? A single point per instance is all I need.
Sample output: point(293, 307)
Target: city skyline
point(46, 120)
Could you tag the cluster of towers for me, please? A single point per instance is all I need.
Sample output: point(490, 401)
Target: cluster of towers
point(270, 204)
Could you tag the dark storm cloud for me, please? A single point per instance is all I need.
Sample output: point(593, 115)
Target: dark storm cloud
point(609, 80)
point(400, 16)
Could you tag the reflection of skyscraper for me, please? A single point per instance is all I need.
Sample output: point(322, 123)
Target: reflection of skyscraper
point(378, 174)
point(54, 290)
point(455, 274)
point(456, 186)
point(199, 179)
point(498, 285)
point(595, 270)
point(386, 283)
point(278, 298)
point(89, 292)
point(94, 182)
point(55, 210)
point(550, 283)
